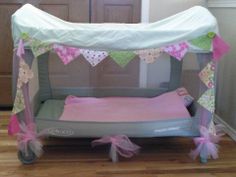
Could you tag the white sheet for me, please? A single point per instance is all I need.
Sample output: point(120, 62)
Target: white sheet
point(186, 25)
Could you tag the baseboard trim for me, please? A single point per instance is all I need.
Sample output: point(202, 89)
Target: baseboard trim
point(221, 3)
point(228, 129)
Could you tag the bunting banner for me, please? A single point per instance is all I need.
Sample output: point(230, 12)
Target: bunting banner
point(122, 58)
point(207, 74)
point(149, 55)
point(203, 42)
point(207, 100)
point(25, 74)
point(177, 51)
point(93, 57)
point(66, 53)
point(19, 103)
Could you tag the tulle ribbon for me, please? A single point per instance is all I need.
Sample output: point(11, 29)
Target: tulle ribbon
point(20, 49)
point(28, 138)
point(206, 144)
point(13, 126)
point(120, 144)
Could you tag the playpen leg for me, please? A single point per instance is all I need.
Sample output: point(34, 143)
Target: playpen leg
point(113, 154)
point(203, 160)
point(28, 157)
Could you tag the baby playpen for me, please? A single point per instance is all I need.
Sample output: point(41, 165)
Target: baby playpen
point(119, 85)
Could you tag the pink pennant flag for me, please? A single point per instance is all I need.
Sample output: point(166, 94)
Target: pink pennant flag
point(13, 126)
point(66, 54)
point(177, 50)
point(220, 47)
point(20, 49)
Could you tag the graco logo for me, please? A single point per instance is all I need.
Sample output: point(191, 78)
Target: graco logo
point(60, 132)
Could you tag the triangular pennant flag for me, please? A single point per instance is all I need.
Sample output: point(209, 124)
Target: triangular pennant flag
point(122, 58)
point(207, 75)
point(94, 57)
point(19, 103)
point(203, 42)
point(207, 100)
point(149, 55)
point(13, 126)
point(220, 47)
point(25, 73)
point(177, 51)
point(66, 53)
point(38, 47)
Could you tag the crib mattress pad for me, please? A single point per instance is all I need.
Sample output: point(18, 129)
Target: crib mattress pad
point(124, 109)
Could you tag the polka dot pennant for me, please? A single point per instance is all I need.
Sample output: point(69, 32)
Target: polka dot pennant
point(93, 57)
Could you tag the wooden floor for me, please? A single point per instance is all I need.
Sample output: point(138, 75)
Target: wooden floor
point(160, 157)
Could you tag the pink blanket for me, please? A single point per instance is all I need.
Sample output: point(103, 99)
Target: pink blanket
point(124, 109)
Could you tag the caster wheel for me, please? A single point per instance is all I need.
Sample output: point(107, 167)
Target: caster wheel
point(27, 159)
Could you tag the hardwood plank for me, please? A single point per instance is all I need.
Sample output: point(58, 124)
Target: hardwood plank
point(159, 157)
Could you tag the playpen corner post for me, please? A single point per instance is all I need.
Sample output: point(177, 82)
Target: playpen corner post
point(175, 73)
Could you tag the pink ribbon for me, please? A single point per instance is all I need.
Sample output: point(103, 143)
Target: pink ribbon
point(13, 126)
point(121, 143)
point(20, 49)
point(28, 138)
point(206, 144)
point(220, 47)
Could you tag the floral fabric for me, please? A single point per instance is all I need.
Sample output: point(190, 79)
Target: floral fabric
point(65, 53)
point(207, 100)
point(149, 55)
point(177, 50)
point(37, 46)
point(207, 75)
point(122, 58)
point(25, 74)
point(19, 103)
point(94, 57)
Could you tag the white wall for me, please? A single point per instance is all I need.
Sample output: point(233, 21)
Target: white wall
point(225, 12)
point(152, 11)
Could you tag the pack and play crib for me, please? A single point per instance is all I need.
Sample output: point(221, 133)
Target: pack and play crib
point(119, 85)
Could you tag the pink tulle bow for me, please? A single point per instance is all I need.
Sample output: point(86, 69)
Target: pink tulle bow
point(206, 145)
point(120, 143)
point(20, 49)
point(220, 47)
point(28, 138)
point(13, 126)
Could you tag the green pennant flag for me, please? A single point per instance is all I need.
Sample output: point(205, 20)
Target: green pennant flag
point(203, 42)
point(122, 58)
point(37, 46)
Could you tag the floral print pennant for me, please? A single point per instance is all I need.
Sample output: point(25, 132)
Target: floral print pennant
point(207, 75)
point(93, 56)
point(207, 100)
point(19, 103)
point(122, 58)
point(66, 53)
point(177, 50)
point(37, 46)
point(25, 73)
point(149, 55)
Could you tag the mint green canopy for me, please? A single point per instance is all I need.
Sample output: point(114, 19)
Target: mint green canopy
point(187, 25)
